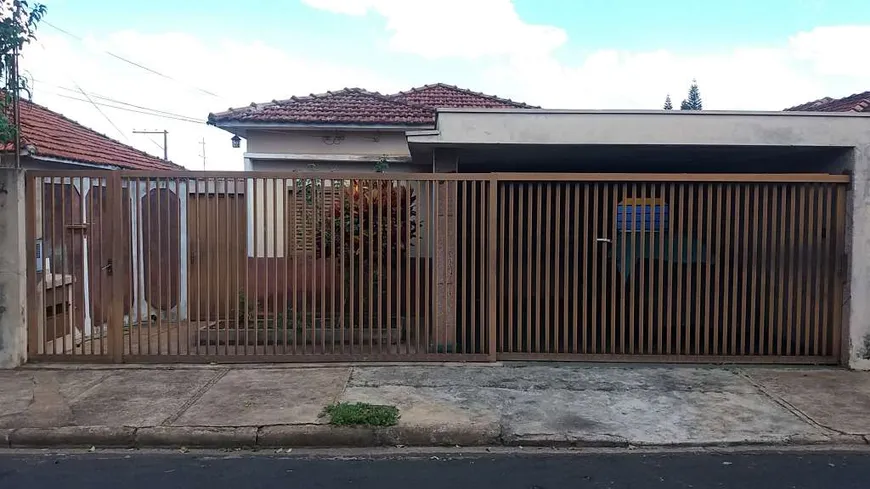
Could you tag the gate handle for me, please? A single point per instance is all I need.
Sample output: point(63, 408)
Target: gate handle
point(604, 240)
point(108, 267)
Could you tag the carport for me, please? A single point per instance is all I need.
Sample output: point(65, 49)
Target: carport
point(654, 236)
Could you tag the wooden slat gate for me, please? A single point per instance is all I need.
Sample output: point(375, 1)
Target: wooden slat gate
point(671, 268)
point(255, 266)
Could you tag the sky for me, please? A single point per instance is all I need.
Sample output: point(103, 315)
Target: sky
point(110, 65)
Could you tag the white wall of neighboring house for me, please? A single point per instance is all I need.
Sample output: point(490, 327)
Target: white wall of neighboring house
point(374, 143)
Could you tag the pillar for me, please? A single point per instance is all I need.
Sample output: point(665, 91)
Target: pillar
point(13, 283)
point(444, 255)
point(856, 303)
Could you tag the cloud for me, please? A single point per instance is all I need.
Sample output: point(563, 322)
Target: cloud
point(238, 72)
point(820, 62)
point(834, 51)
point(454, 28)
point(519, 60)
point(516, 60)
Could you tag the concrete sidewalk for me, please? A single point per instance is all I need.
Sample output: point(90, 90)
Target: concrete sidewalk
point(549, 405)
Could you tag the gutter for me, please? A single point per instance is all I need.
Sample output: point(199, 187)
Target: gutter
point(64, 161)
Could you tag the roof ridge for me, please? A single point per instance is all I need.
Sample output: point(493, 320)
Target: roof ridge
point(466, 91)
point(97, 133)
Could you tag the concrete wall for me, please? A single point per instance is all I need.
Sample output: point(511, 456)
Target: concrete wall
point(316, 142)
point(648, 128)
point(13, 290)
point(856, 302)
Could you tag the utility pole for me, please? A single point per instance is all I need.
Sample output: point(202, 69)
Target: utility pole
point(202, 143)
point(165, 141)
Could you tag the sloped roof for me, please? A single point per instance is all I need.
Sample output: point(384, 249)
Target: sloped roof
point(53, 135)
point(859, 102)
point(442, 95)
point(346, 106)
point(415, 107)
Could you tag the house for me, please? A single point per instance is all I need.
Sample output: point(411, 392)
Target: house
point(52, 141)
point(501, 232)
point(859, 102)
point(348, 129)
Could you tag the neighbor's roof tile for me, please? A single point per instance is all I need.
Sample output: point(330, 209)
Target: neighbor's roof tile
point(441, 95)
point(53, 135)
point(859, 102)
point(346, 106)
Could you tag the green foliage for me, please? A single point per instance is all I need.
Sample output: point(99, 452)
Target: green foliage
point(668, 105)
point(382, 165)
point(693, 101)
point(360, 413)
point(18, 21)
point(245, 310)
point(377, 218)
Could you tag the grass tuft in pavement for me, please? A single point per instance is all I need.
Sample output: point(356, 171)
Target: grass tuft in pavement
point(360, 413)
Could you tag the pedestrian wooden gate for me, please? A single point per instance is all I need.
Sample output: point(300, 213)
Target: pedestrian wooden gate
point(252, 267)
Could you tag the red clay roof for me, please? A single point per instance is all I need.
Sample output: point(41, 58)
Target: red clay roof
point(416, 107)
point(346, 106)
point(859, 102)
point(51, 134)
point(441, 95)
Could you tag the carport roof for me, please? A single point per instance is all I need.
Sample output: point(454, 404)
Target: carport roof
point(465, 127)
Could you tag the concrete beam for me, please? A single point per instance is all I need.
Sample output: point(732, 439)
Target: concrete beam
point(13, 285)
point(507, 127)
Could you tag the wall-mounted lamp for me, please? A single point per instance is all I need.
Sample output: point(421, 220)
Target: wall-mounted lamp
point(237, 141)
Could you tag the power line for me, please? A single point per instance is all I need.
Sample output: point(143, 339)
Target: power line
point(103, 113)
point(133, 63)
point(118, 107)
point(120, 102)
point(124, 136)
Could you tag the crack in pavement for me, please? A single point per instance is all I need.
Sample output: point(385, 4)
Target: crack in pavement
point(344, 387)
point(197, 395)
point(791, 407)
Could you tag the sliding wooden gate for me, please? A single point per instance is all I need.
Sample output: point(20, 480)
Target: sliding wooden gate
point(252, 267)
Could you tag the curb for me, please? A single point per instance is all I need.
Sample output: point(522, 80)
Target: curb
point(73, 436)
point(298, 436)
point(327, 436)
point(196, 436)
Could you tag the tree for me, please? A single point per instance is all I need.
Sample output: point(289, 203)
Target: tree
point(18, 21)
point(693, 101)
point(668, 104)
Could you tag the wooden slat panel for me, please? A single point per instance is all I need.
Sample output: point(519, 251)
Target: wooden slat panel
point(719, 242)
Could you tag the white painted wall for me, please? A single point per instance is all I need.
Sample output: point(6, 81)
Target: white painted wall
point(332, 142)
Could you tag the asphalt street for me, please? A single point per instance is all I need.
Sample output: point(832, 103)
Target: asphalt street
point(165, 470)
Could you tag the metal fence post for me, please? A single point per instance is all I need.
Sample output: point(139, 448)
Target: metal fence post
point(492, 254)
point(118, 268)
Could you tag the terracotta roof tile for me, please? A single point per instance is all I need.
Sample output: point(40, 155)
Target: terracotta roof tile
point(415, 107)
point(441, 95)
point(53, 135)
point(346, 106)
point(859, 102)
